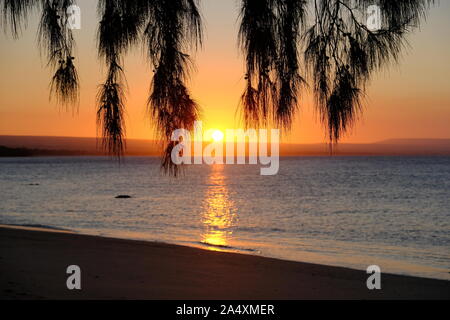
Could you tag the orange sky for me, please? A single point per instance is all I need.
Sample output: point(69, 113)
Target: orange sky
point(411, 100)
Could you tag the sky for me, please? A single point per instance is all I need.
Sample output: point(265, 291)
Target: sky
point(408, 100)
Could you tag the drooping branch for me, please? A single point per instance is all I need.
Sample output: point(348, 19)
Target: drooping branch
point(292, 16)
point(56, 41)
point(342, 53)
point(15, 13)
point(174, 27)
point(257, 37)
point(110, 113)
point(269, 32)
point(120, 28)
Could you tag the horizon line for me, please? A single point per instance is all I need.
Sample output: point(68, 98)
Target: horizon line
point(282, 143)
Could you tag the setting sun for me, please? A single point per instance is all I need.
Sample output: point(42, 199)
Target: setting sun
point(217, 135)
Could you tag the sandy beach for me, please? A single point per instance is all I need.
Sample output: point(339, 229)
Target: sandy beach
point(33, 265)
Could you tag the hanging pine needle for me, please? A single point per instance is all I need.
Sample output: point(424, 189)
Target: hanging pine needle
point(342, 53)
point(15, 14)
point(174, 27)
point(56, 41)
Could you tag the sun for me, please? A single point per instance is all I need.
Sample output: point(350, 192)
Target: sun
point(217, 135)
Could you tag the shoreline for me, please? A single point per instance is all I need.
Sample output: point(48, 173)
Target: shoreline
point(228, 249)
point(33, 264)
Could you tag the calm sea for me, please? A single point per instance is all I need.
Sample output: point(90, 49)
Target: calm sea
point(346, 211)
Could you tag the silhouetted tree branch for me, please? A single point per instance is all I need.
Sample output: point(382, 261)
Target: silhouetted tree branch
point(282, 47)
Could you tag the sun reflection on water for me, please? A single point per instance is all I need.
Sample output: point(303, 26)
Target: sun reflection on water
point(219, 212)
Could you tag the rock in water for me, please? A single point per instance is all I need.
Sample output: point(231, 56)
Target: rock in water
point(123, 196)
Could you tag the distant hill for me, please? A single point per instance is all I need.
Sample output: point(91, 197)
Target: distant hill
point(387, 147)
point(75, 146)
point(39, 146)
point(15, 152)
point(25, 152)
point(416, 142)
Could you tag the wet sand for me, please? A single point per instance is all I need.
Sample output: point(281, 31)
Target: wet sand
point(33, 265)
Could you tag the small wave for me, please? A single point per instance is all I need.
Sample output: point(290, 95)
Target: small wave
point(261, 229)
point(222, 246)
point(39, 226)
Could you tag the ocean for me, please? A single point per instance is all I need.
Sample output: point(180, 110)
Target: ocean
point(393, 212)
